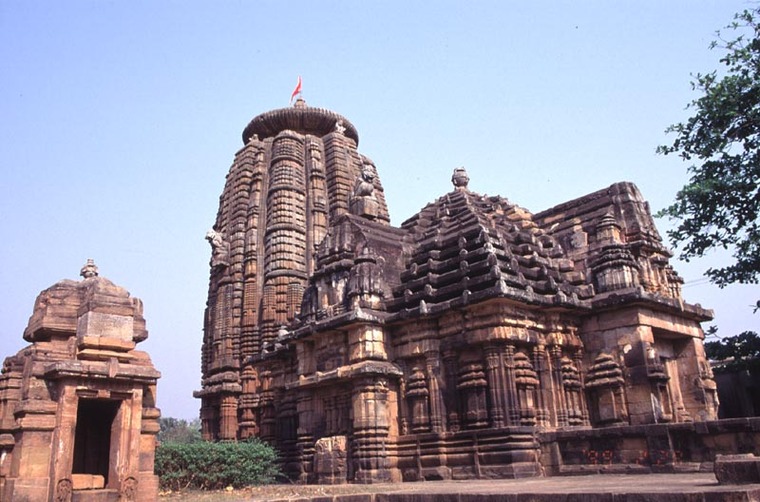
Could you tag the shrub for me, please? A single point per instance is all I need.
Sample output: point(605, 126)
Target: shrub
point(211, 466)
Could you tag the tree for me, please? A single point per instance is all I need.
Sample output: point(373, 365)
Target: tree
point(177, 430)
point(719, 206)
point(735, 353)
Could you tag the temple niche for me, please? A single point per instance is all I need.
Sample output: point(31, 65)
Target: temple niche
point(475, 340)
point(78, 415)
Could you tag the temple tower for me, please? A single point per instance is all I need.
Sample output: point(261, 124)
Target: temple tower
point(293, 178)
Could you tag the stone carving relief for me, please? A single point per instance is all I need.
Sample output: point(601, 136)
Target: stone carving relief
point(220, 249)
point(129, 490)
point(605, 387)
point(417, 397)
point(471, 386)
point(330, 459)
point(363, 199)
point(63, 491)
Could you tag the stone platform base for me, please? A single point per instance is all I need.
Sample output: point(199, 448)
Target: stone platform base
point(691, 487)
point(95, 496)
point(737, 469)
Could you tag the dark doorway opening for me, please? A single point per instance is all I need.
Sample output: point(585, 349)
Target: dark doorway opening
point(92, 440)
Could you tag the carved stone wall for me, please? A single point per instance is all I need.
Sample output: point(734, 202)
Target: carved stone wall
point(78, 415)
point(441, 348)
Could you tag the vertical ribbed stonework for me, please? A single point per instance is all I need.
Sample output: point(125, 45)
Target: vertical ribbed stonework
point(342, 175)
point(316, 212)
point(250, 343)
point(285, 236)
point(295, 176)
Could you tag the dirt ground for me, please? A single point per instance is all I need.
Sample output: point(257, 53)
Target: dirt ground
point(269, 492)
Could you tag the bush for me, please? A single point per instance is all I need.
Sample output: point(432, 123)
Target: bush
point(213, 466)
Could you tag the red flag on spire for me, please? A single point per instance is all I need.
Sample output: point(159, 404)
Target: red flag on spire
point(297, 90)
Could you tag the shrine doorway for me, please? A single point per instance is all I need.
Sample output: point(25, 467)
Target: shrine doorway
point(92, 440)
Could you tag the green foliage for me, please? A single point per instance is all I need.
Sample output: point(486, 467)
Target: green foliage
point(178, 430)
point(210, 466)
point(735, 353)
point(719, 207)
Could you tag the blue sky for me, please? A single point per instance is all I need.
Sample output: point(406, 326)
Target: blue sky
point(121, 119)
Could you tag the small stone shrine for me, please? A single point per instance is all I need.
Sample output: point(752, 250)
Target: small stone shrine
point(476, 340)
point(78, 416)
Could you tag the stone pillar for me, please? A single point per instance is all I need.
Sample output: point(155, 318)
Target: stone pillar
point(403, 413)
point(228, 419)
point(417, 398)
point(578, 362)
point(305, 436)
point(370, 432)
point(450, 393)
point(496, 384)
point(437, 409)
point(209, 420)
point(557, 386)
point(513, 405)
point(62, 461)
point(543, 393)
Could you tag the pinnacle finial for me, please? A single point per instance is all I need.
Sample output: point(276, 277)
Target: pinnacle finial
point(460, 179)
point(89, 269)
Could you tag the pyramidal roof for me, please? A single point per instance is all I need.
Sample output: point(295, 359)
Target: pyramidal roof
point(470, 247)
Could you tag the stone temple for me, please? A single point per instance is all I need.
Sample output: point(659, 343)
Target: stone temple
point(78, 415)
point(476, 340)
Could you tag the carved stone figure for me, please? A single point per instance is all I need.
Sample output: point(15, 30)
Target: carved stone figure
point(365, 184)
point(363, 200)
point(63, 491)
point(219, 249)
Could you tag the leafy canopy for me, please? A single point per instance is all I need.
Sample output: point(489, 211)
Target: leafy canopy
point(179, 430)
point(735, 353)
point(719, 206)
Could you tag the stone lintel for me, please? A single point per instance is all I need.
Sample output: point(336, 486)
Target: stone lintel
point(218, 389)
point(343, 321)
point(98, 370)
point(36, 422)
point(87, 482)
point(345, 373)
point(105, 343)
point(638, 297)
point(103, 355)
point(222, 377)
point(35, 406)
point(46, 328)
point(641, 315)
